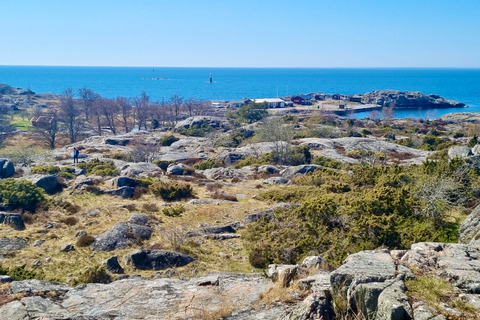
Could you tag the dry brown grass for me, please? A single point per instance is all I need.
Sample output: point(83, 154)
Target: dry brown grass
point(285, 295)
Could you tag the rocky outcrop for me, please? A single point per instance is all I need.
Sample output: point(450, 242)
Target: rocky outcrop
point(470, 228)
point(119, 235)
point(276, 180)
point(370, 282)
point(7, 169)
point(112, 265)
point(7, 244)
point(206, 230)
point(156, 259)
point(338, 149)
point(300, 170)
point(459, 152)
point(123, 181)
point(214, 122)
point(408, 99)
point(137, 298)
point(457, 263)
point(268, 214)
point(13, 219)
point(49, 183)
point(122, 192)
point(142, 169)
point(226, 173)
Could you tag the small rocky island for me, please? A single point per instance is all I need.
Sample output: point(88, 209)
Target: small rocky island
point(245, 213)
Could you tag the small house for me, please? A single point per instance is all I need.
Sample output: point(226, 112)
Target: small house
point(303, 99)
point(272, 102)
point(336, 96)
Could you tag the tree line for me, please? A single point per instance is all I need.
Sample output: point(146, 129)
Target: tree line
point(87, 112)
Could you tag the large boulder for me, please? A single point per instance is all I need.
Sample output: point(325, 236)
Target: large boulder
point(227, 173)
point(49, 183)
point(140, 298)
point(112, 265)
point(459, 152)
point(123, 181)
point(215, 122)
point(122, 192)
point(368, 281)
point(113, 239)
point(300, 170)
point(457, 263)
point(156, 259)
point(176, 169)
point(139, 169)
point(13, 219)
point(119, 235)
point(470, 228)
point(7, 169)
point(7, 244)
point(118, 141)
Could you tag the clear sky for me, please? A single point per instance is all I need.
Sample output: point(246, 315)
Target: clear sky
point(241, 33)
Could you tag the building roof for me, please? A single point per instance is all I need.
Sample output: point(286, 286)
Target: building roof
point(269, 100)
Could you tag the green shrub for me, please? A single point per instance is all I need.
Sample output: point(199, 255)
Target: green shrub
point(365, 208)
point(174, 211)
point(144, 182)
point(365, 132)
point(171, 191)
point(205, 164)
point(100, 168)
point(97, 274)
point(250, 113)
point(300, 155)
point(167, 141)
point(473, 141)
point(163, 164)
point(407, 142)
point(121, 156)
point(19, 273)
point(21, 194)
point(254, 161)
point(196, 130)
point(45, 170)
point(458, 135)
point(65, 172)
point(326, 162)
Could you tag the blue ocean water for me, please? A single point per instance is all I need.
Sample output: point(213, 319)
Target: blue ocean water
point(236, 83)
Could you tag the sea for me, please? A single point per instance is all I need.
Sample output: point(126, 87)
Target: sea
point(160, 83)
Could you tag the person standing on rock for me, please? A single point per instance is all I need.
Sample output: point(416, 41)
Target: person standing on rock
point(76, 152)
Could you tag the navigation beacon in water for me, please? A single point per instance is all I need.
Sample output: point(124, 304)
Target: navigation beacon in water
point(211, 79)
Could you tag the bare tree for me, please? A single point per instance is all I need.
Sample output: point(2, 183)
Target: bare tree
point(191, 105)
point(47, 129)
point(6, 129)
point(279, 135)
point(126, 113)
point(110, 110)
point(70, 115)
point(142, 106)
point(96, 112)
point(143, 151)
point(388, 113)
point(176, 101)
point(88, 97)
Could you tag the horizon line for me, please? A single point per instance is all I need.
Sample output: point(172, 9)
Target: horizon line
point(120, 66)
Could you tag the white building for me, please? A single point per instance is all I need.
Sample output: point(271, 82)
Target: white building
point(272, 103)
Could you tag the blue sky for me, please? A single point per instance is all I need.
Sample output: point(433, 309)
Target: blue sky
point(241, 33)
